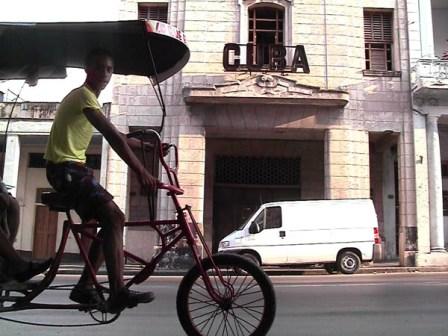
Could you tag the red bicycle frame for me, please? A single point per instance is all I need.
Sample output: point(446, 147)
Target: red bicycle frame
point(185, 226)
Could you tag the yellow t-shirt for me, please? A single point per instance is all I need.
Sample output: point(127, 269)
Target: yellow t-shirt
point(71, 131)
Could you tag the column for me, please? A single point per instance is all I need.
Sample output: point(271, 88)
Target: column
point(426, 29)
point(12, 157)
point(422, 184)
point(435, 185)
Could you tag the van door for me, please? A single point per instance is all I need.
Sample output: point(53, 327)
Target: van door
point(267, 236)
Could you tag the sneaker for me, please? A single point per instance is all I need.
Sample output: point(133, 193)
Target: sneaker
point(127, 299)
point(84, 295)
point(34, 268)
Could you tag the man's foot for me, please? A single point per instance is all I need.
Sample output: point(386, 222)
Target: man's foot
point(84, 295)
point(127, 299)
point(33, 268)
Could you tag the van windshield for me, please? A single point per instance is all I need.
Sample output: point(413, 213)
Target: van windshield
point(251, 213)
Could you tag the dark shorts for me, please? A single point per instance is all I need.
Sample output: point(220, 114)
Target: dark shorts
point(77, 183)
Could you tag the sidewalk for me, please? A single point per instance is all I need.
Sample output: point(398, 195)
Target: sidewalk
point(374, 268)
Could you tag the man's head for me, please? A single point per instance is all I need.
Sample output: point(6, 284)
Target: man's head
point(99, 67)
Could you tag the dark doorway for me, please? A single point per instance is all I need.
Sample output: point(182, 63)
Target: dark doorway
point(242, 184)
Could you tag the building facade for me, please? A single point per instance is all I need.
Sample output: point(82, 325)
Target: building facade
point(282, 100)
point(253, 125)
point(428, 41)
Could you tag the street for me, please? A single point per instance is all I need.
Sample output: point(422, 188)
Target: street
point(323, 305)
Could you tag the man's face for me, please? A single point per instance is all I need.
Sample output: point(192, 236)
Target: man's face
point(100, 71)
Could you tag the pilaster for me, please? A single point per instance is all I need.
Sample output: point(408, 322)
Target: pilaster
point(435, 184)
point(347, 172)
point(12, 158)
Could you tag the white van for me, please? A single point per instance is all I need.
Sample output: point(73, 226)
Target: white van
point(340, 234)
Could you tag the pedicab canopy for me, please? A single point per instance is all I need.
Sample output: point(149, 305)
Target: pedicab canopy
point(148, 48)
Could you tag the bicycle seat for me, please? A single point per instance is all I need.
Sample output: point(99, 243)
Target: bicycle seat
point(57, 201)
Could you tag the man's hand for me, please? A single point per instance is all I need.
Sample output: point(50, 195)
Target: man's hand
point(165, 148)
point(147, 181)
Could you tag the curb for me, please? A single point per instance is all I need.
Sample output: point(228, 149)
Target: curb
point(131, 270)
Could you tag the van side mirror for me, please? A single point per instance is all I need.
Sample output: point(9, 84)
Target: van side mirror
point(254, 228)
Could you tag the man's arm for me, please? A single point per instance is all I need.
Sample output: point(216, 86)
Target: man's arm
point(119, 143)
point(136, 143)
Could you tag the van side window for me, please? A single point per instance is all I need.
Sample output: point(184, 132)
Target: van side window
point(259, 221)
point(273, 217)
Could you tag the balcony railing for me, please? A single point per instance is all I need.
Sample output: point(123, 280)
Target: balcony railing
point(27, 110)
point(35, 110)
point(431, 73)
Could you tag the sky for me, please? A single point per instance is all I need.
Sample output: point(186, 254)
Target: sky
point(55, 11)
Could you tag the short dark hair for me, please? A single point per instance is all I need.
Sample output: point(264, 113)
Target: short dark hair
point(93, 54)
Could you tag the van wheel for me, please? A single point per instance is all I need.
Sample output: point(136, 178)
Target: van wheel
point(252, 258)
point(331, 268)
point(348, 262)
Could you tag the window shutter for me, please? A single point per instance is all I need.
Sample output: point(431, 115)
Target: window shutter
point(153, 12)
point(378, 27)
point(387, 28)
point(367, 27)
point(378, 59)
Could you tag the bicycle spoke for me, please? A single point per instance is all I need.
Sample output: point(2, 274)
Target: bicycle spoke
point(211, 321)
point(250, 311)
point(238, 324)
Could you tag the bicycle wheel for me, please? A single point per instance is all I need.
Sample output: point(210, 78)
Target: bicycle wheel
point(249, 308)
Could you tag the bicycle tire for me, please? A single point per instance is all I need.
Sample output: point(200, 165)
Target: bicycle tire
point(250, 311)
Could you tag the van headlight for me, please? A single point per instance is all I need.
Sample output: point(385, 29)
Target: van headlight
point(224, 244)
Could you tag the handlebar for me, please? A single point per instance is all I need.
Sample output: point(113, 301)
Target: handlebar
point(171, 188)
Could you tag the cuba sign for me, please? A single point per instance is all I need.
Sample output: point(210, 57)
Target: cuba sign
point(265, 57)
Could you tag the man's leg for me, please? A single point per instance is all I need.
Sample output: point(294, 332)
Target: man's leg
point(96, 258)
point(7, 251)
point(11, 256)
point(108, 248)
point(112, 220)
point(13, 267)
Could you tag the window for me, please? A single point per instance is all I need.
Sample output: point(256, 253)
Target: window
point(259, 221)
point(269, 218)
point(153, 11)
point(273, 218)
point(265, 28)
point(378, 40)
point(36, 160)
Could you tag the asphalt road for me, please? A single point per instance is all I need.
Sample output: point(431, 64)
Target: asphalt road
point(336, 305)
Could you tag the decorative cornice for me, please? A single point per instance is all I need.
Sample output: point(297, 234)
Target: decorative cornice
point(264, 89)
